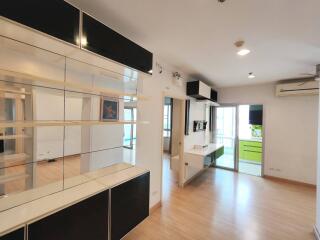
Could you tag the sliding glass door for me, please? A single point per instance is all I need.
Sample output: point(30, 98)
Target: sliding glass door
point(239, 128)
point(226, 134)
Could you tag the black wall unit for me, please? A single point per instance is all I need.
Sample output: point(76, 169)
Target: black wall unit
point(54, 17)
point(193, 89)
point(187, 118)
point(214, 96)
point(255, 115)
point(15, 235)
point(106, 42)
point(201, 91)
point(212, 116)
point(129, 205)
point(85, 220)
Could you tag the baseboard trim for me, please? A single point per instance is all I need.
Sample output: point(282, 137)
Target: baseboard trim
point(316, 232)
point(289, 181)
point(155, 207)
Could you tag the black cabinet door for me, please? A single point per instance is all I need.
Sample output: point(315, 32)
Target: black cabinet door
point(54, 17)
point(108, 43)
point(129, 205)
point(82, 221)
point(15, 235)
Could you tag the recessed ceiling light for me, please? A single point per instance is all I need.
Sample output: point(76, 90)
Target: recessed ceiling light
point(243, 52)
point(251, 75)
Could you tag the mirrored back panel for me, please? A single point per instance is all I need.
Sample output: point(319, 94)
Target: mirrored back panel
point(62, 122)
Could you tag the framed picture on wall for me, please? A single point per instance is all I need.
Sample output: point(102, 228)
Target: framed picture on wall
point(109, 109)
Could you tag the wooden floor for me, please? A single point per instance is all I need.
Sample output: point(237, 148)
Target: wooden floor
point(223, 205)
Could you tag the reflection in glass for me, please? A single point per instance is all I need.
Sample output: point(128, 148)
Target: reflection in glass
point(39, 86)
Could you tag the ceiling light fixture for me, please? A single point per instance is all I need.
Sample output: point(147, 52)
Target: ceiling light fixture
point(242, 51)
point(251, 75)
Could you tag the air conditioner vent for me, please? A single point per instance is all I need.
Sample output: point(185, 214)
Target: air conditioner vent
point(297, 88)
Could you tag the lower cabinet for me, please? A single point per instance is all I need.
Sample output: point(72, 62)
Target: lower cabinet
point(15, 235)
point(250, 151)
point(85, 220)
point(129, 205)
point(92, 218)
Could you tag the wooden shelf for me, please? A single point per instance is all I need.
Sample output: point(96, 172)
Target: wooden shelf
point(24, 124)
point(23, 78)
point(10, 137)
point(13, 158)
point(13, 91)
point(13, 177)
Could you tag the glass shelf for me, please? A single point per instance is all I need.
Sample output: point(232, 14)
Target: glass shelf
point(71, 86)
point(53, 133)
point(26, 124)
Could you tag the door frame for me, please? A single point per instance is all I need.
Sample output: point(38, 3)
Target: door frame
point(236, 139)
point(181, 176)
point(237, 136)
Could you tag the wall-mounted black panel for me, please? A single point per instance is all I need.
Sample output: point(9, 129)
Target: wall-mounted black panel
point(15, 235)
point(54, 17)
point(193, 88)
point(82, 221)
point(214, 96)
point(108, 43)
point(129, 205)
point(187, 118)
point(255, 115)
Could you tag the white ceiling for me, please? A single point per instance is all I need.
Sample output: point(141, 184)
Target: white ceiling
point(197, 36)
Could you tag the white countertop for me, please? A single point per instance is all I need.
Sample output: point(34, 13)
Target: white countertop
point(212, 147)
point(18, 216)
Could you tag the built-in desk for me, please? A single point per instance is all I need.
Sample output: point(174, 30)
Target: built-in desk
point(198, 159)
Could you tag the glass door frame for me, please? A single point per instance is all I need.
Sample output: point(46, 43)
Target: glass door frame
point(236, 151)
point(236, 138)
point(131, 127)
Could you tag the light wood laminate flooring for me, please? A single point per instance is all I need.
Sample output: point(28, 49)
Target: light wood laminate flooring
point(223, 205)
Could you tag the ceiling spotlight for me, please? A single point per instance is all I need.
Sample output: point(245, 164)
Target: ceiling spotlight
point(251, 75)
point(242, 51)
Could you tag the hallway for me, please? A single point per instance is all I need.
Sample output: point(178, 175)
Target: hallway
point(224, 205)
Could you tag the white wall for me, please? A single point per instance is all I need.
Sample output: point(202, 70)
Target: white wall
point(290, 130)
point(149, 136)
point(197, 112)
point(318, 175)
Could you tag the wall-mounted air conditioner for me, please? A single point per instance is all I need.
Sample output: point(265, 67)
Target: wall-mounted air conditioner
point(297, 88)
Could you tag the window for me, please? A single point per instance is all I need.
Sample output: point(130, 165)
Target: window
point(167, 120)
point(129, 138)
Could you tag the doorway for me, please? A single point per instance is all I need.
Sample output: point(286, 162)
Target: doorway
point(172, 139)
point(250, 139)
point(239, 128)
point(226, 134)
